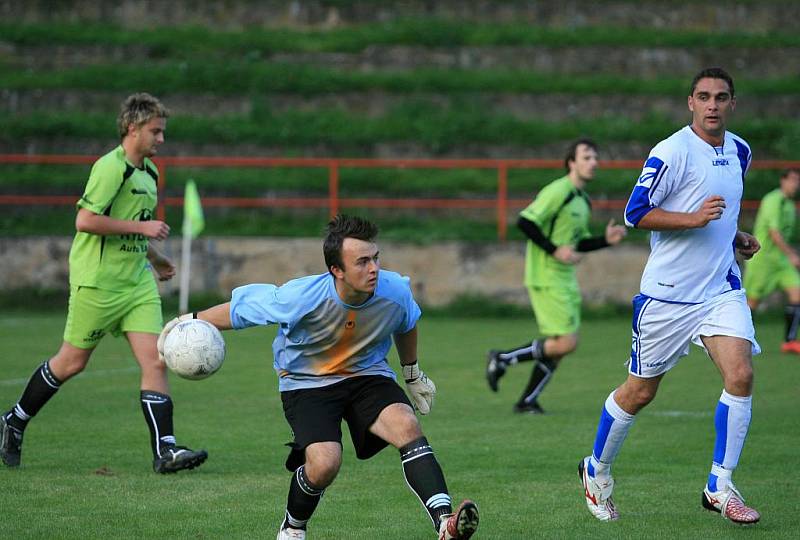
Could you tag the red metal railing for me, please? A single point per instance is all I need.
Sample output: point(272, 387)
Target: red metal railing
point(501, 203)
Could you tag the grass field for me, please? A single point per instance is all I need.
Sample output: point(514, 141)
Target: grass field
point(86, 464)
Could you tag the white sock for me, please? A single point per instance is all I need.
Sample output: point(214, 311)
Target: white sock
point(611, 433)
point(731, 421)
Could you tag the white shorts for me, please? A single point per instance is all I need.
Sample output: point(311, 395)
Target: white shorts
point(662, 330)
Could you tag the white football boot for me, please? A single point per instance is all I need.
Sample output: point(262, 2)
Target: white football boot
point(730, 503)
point(598, 496)
point(461, 524)
point(291, 534)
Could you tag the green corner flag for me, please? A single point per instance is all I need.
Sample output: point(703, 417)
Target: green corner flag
point(193, 221)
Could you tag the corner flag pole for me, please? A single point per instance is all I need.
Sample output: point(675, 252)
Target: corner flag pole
point(193, 224)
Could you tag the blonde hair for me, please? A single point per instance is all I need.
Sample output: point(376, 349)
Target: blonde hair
point(137, 110)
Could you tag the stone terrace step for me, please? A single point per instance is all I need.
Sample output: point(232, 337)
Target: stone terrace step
point(759, 16)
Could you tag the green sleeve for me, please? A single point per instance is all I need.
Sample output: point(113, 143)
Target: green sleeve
point(544, 206)
point(102, 187)
point(770, 213)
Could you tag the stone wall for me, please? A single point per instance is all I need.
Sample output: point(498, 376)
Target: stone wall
point(439, 272)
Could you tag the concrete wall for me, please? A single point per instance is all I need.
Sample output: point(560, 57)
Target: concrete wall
point(439, 272)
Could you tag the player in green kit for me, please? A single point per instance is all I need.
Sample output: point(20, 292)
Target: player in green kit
point(776, 265)
point(112, 287)
point(557, 226)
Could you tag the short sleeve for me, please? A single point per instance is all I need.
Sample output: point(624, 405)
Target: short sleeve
point(257, 305)
point(770, 212)
point(102, 187)
point(544, 206)
point(411, 308)
point(654, 184)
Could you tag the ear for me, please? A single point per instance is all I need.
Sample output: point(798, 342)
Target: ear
point(733, 103)
point(337, 272)
point(690, 103)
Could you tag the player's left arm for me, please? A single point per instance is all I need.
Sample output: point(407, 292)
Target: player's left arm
point(162, 264)
point(613, 235)
point(420, 387)
point(746, 244)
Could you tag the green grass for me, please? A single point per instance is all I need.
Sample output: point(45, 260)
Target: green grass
point(86, 465)
point(254, 78)
point(438, 130)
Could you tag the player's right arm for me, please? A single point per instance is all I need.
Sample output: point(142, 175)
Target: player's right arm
point(664, 220)
point(660, 175)
point(780, 242)
point(219, 316)
point(90, 222)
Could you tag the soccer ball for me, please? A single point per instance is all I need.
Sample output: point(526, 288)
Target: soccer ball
point(194, 349)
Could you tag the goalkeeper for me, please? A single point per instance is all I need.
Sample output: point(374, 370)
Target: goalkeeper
point(335, 330)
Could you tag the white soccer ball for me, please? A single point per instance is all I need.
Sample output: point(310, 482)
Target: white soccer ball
point(194, 349)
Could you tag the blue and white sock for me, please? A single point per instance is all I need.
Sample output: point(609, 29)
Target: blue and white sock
point(731, 421)
point(611, 433)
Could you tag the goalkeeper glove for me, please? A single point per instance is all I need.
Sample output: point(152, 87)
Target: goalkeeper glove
point(420, 387)
point(162, 337)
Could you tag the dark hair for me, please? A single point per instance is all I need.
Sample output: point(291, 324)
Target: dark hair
point(712, 73)
point(791, 170)
point(573, 148)
point(340, 227)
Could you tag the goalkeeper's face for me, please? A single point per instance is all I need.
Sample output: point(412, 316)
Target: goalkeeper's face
point(359, 277)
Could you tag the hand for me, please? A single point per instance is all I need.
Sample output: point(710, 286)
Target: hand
point(747, 245)
point(164, 268)
point(157, 230)
point(711, 210)
point(567, 255)
point(420, 387)
point(615, 233)
point(162, 337)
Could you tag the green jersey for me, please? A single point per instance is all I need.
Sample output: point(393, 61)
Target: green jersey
point(562, 212)
point(119, 190)
point(778, 213)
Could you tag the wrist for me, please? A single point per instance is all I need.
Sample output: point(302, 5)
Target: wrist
point(411, 372)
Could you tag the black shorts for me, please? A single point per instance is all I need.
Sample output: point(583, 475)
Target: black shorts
point(316, 414)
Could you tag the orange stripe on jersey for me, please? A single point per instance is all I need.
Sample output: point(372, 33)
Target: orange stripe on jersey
point(340, 353)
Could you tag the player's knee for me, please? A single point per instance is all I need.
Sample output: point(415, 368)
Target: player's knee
point(741, 380)
point(632, 399)
point(152, 366)
point(563, 345)
point(68, 363)
point(322, 471)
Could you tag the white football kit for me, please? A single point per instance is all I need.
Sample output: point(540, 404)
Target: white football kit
point(691, 285)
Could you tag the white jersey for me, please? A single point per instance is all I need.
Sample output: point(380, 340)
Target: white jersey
point(692, 265)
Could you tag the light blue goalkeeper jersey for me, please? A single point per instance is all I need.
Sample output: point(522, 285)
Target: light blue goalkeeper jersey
point(322, 340)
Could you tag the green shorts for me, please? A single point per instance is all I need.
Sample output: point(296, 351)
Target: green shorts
point(557, 309)
point(94, 312)
point(761, 278)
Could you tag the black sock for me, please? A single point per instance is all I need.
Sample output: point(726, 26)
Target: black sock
point(302, 501)
point(425, 477)
point(41, 387)
point(525, 353)
point(540, 376)
point(792, 321)
point(157, 409)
